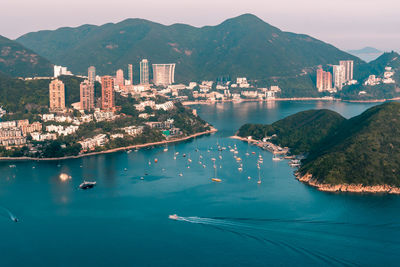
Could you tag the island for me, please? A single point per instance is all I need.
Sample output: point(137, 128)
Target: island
point(360, 154)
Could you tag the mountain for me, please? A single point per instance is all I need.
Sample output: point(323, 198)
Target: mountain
point(363, 150)
point(300, 132)
point(367, 53)
point(18, 61)
point(366, 150)
point(241, 46)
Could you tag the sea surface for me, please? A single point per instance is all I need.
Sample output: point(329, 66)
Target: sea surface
point(123, 220)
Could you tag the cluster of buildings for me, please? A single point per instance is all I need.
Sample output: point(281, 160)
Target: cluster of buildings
point(342, 75)
point(386, 79)
point(14, 133)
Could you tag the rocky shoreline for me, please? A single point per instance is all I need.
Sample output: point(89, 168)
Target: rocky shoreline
point(350, 188)
point(213, 130)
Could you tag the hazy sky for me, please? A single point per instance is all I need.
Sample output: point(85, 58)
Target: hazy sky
point(347, 24)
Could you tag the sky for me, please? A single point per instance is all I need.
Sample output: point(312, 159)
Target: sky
point(347, 24)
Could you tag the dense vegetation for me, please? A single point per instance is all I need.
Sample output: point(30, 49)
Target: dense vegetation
point(18, 61)
point(300, 132)
point(242, 46)
point(362, 150)
point(26, 98)
point(366, 150)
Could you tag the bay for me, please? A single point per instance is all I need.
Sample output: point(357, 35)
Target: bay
point(123, 220)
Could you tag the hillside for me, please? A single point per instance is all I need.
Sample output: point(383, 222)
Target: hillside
point(241, 46)
point(300, 132)
point(377, 68)
point(363, 150)
point(366, 150)
point(26, 97)
point(18, 61)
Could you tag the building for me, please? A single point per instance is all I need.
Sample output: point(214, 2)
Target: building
point(92, 74)
point(87, 95)
point(107, 93)
point(119, 78)
point(163, 74)
point(130, 74)
point(144, 71)
point(57, 95)
point(324, 80)
point(348, 69)
point(60, 70)
point(339, 77)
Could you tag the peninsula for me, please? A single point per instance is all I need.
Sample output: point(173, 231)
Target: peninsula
point(360, 155)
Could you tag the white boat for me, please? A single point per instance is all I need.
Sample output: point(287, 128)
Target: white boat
point(180, 174)
point(87, 185)
point(173, 217)
point(276, 158)
point(11, 166)
point(165, 149)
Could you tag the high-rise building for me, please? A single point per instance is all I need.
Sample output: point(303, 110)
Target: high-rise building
point(57, 95)
point(324, 80)
point(338, 76)
point(348, 69)
point(130, 73)
point(87, 95)
point(119, 78)
point(92, 74)
point(163, 74)
point(107, 93)
point(327, 81)
point(144, 71)
point(320, 79)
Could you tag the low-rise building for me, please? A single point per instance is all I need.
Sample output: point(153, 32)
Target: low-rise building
point(91, 143)
point(133, 130)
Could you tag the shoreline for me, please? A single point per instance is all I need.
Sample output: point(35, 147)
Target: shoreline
point(339, 188)
point(347, 188)
point(208, 102)
point(213, 130)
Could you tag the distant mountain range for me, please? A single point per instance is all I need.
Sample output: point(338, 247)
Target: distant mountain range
point(17, 60)
point(367, 53)
point(241, 46)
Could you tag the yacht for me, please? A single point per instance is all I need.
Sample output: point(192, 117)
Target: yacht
point(87, 185)
point(173, 217)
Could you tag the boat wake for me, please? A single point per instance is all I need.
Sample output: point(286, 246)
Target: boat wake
point(267, 236)
point(7, 214)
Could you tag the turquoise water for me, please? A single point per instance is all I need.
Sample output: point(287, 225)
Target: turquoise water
point(124, 221)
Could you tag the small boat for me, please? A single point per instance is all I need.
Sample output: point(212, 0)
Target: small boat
point(236, 152)
point(247, 154)
point(173, 217)
point(216, 180)
point(12, 166)
point(125, 169)
point(189, 160)
point(201, 156)
point(142, 178)
point(174, 158)
point(253, 153)
point(87, 185)
point(259, 182)
point(15, 219)
point(184, 155)
point(177, 153)
point(276, 158)
point(180, 174)
point(240, 169)
point(220, 157)
point(149, 162)
point(238, 159)
point(204, 165)
point(136, 150)
point(129, 151)
point(155, 160)
point(248, 177)
point(188, 167)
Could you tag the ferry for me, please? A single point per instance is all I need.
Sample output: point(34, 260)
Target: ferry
point(87, 185)
point(173, 217)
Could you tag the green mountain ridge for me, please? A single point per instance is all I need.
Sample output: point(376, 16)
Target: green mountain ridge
point(241, 46)
point(19, 61)
point(362, 150)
